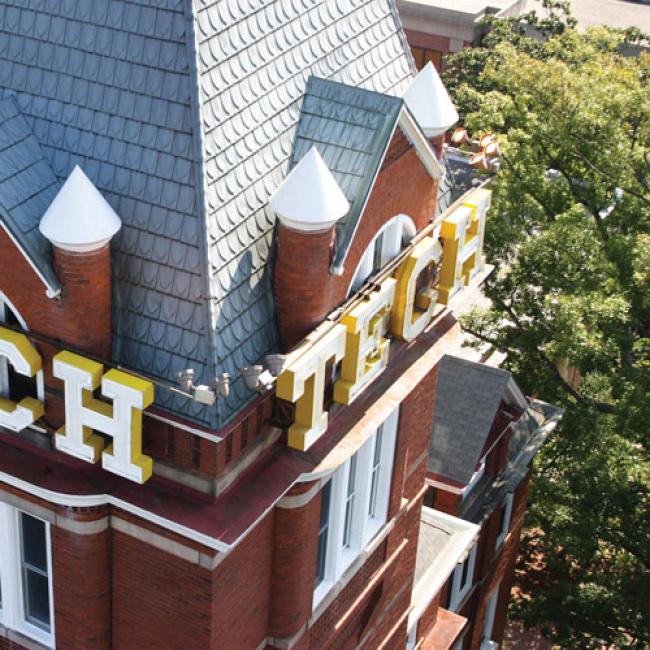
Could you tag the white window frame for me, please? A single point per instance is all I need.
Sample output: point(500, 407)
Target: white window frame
point(459, 591)
point(488, 621)
point(393, 236)
point(12, 608)
point(476, 477)
point(364, 525)
point(507, 514)
point(412, 636)
point(5, 304)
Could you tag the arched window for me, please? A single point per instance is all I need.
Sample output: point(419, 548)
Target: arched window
point(13, 385)
point(387, 243)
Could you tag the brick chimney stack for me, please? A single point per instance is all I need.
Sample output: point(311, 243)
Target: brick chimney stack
point(308, 203)
point(429, 102)
point(80, 224)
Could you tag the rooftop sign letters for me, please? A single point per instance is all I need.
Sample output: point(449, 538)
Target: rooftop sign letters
point(359, 340)
point(85, 415)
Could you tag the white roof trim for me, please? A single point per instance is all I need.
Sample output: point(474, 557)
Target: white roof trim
point(309, 198)
point(95, 500)
point(514, 394)
point(454, 552)
point(79, 218)
point(417, 138)
point(429, 101)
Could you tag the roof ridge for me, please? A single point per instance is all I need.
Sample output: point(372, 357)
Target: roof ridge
point(201, 185)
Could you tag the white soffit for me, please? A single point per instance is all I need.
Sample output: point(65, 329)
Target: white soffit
point(428, 100)
point(309, 198)
point(79, 218)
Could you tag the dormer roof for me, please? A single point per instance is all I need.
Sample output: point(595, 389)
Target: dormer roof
point(429, 102)
point(352, 128)
point(79, 219)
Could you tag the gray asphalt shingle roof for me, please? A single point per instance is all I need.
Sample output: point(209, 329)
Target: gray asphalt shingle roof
point(27, 187)
point(468, 396)
point(183, 114)
point(351, 128)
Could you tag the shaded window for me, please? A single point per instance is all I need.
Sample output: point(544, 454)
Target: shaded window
point(422, 56)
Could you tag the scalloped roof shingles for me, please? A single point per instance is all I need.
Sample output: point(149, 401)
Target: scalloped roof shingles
point(183, 114)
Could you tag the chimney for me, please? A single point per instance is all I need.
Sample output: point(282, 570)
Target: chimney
point(308, 203)
point(80, 224)
point(429, 102)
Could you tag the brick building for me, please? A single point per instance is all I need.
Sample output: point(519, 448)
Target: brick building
point(225, 288)
point(435, 28)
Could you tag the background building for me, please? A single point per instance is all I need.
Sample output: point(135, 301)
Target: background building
point(435, 28)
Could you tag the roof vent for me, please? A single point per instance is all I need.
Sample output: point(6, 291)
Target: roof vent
point(79, 219)
point(309, 198)
point(428, 100)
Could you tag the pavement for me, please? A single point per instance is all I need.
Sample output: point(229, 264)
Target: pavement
point(613, 13)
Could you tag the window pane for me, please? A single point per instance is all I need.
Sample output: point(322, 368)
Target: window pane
point(376, 471)
point(349, 504)
point(34, 549)
point(321, 553)
point(464, 573)
point(37, 598)
point(377, 257)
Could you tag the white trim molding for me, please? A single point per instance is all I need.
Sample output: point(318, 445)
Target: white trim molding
point(16, 561)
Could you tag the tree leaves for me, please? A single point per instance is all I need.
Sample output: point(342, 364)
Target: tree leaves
point(569, 234)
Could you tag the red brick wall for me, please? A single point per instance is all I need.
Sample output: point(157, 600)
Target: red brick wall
point(81, 316)
point(81, 576)
point(85, 305)
point(302, 297)
point(404, 187)
point(427, 41)
point(295, 542)
point(158, 599)
point(241, 592)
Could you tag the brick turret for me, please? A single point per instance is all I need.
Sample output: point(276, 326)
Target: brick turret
point(308, 204)
point(80, 224)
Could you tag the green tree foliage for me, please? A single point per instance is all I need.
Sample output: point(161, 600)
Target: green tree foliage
point(569, 234)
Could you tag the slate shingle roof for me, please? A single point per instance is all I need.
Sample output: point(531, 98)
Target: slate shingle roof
point(351, 128)
point(183, 115)
point(27, 187)
point(468, 396)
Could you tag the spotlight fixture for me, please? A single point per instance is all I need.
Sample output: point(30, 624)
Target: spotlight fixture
point(221, 384)
point(491, 149)
point(257, 379)
point(460, 136)
point(486, 139)
point(202, 393)
point(479, 161)
point(275, 363)
point(185, 379)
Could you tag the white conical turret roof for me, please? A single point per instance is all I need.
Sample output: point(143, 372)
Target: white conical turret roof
point(79, 219)
point(309, 198)
point(428, 100)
